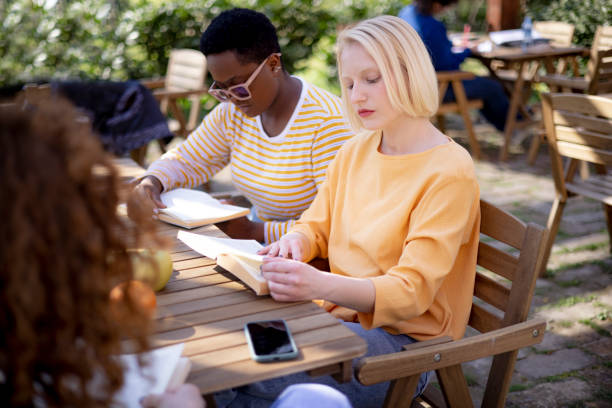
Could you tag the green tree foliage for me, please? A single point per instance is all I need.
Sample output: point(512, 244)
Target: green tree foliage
point(586, 15)
point(131, 39)
point(125, 39)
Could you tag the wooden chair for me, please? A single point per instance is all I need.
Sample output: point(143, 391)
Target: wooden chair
point(462, 105)
point(499, 315)
point(578, 128)
point(184, 80)
point(561, 34)
point(598, 78)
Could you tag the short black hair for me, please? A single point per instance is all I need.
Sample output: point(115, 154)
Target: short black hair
point(247, 32)
point(425, 6)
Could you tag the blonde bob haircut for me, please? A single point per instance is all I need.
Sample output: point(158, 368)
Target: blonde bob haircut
point(404, 63)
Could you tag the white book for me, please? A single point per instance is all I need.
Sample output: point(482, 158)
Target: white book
point(237, 256)
point(193, 208)
point(166, 369)
point(512, 37)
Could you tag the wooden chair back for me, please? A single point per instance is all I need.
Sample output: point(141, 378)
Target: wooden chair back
point(578, 128)
point(187, 72)
point(509, 256)
point(462, 105)
point(185, 79)
point(599, 67)
point(561, 34)
point(597, 80)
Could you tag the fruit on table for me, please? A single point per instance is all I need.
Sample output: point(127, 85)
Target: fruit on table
point(152, 266)
point(140, 293)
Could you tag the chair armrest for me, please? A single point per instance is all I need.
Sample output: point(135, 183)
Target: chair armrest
point(454, 75)
point(163, 93)
point(153, 83)
point(564, 81)
point(372, 370)
point(427, 343)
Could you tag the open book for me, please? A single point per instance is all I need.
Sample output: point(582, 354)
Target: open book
point(237, 256)
point(193, 208)
point(166, 369)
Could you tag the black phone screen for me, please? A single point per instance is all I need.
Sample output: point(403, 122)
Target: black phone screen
point(269, 337)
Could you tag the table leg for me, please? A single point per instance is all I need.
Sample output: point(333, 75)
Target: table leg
point(515, 101)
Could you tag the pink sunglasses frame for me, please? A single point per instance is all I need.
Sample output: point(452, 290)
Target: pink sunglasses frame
point(224, 95)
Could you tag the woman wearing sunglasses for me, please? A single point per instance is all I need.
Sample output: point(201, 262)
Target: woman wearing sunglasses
point(277, 132)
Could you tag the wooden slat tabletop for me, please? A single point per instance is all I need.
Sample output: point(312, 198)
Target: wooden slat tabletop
point(128, 168)
point(206, 308)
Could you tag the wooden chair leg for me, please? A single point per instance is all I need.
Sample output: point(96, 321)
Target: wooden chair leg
point(433, 396)
point(139, 155)
point(515, 102)
point(467, 121)
point(608, 212)
point(441, 121)
point(400, 392)
point(454, 387)
point(554, 219)
point(499, 381)
point(534, 149)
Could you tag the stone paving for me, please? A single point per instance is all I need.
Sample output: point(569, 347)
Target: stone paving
point(572, 367)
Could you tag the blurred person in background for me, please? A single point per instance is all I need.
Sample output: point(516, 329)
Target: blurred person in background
point(420, 15)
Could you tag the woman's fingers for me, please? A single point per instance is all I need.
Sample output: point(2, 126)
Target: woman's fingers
point(296, 250)
point(284, 251)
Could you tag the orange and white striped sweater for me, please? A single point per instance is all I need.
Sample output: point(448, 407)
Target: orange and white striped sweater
point(280, 175)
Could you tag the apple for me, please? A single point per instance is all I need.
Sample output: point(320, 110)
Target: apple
point(152, 266)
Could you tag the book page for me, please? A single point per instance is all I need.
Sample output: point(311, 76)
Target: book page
point(192, 205)
point(152, 378)
point(506, 36)
point(211, 247)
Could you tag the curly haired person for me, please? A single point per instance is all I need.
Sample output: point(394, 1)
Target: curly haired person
point(63, 247)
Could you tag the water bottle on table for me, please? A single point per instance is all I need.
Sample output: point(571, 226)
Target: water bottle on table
point(527, 34)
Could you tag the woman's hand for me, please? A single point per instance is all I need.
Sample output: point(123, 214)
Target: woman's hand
point(290, 280)
point(185, 396)
point(290, 245)
point(146, 194)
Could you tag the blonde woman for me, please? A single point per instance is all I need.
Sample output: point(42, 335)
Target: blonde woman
point(398, 215)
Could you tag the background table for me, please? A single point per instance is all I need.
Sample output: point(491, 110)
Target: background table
point(518, 60)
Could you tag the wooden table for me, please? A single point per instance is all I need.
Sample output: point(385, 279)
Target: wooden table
point(206, 308)
point(519, 59)
point(128, 168)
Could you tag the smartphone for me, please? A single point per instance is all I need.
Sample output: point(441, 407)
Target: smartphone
point(270, 340)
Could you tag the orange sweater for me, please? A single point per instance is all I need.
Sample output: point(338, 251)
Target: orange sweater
point(410, 223)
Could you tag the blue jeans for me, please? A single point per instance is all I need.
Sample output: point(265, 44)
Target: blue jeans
point(311, 395)
point(262, 394)
point(495, 103)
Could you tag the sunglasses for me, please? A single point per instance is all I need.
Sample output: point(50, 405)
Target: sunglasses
point(239, 92)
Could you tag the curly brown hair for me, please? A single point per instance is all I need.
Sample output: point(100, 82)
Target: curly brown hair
point(63, 247)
